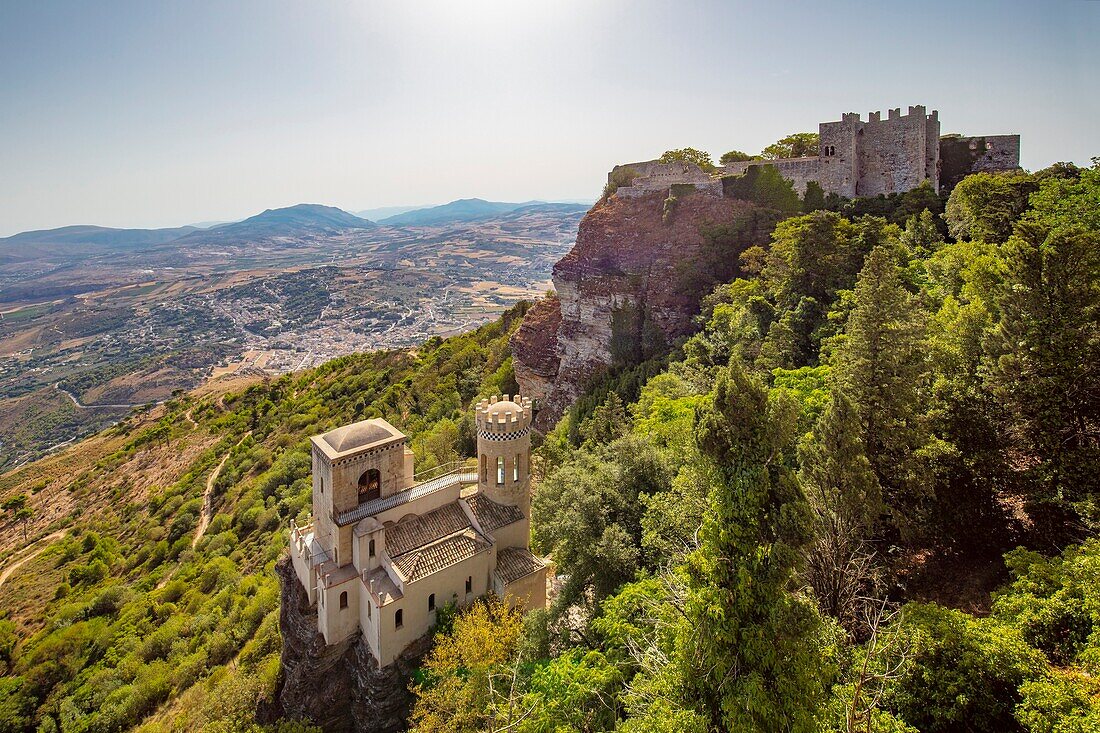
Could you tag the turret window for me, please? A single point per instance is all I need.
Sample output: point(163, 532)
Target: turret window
point(343, 600)
point(500, 470)
point(515, 469)
point(370, 548)
point(431, 602)
point(398, 619)
point(469, 584)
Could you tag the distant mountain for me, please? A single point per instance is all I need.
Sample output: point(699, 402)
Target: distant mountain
point(302, 220)
point(78, 241)
point(557, 207)
point(461, 210)
point(386, 211)
point(93, 236)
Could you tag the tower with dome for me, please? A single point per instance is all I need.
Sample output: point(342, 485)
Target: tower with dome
point(387, 548)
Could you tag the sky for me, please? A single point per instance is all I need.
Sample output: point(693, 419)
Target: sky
point(151, 114)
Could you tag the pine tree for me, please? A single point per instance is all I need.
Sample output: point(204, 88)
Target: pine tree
point(882, 366)
point(749, 660)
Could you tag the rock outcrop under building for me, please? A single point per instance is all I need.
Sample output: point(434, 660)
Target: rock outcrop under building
point(340, 687)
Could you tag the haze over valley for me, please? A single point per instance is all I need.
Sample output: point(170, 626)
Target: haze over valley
point(96, 321)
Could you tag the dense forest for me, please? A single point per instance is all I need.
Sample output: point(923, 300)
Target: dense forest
point(862, 497)
point(786, 524)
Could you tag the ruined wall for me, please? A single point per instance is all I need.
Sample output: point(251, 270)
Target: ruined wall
point(799, 171)
point(894, 155)
point(961, 156)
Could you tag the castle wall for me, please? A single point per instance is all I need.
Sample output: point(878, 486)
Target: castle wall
point(961, 156)
point(527, 593)
point(417, 620)
point(894, 155)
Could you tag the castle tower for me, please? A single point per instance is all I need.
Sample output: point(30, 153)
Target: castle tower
point(504, 451)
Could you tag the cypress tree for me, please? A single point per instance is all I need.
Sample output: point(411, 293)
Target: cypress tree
point(749, 659)
point(882, 366)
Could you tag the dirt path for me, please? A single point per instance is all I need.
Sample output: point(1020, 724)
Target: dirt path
point(48, 539)
point(188, 418)
point(208, 495)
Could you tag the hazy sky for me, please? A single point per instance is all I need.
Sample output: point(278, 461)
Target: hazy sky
point(166, 113)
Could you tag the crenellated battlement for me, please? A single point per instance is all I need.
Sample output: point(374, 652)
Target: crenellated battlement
point(501, 415)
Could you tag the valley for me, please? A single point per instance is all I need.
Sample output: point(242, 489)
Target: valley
point(89, 331)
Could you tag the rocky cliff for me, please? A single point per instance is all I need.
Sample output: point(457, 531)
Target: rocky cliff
point(339, 688)
point(639, 263)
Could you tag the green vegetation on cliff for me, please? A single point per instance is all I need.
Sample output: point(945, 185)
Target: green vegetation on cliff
point(760, 536)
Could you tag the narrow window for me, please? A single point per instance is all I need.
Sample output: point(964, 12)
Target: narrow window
point(500, 470)
point(398, 620)
point(469, 584)
point(368, 609)
point(515, 469)
point(370, 548)
point(343, 600)
point(431, 602)
point(322, 484)
point(484, 469)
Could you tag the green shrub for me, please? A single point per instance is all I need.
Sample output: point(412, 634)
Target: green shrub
point(964, 673)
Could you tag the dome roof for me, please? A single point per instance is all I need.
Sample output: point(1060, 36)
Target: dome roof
point(356, 435)
point(499, 408)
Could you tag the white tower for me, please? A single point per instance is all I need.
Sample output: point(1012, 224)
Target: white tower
point(504, 451)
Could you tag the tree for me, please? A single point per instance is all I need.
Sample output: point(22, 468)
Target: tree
point(689, 155)
point(846, 500)
point(798, 145)
point(813, 199)
point(750, 658)
point(736, 156)
point(1046, 354)
point(458, 694)
point(881, 365)
point(985, 206)
point(17, 508)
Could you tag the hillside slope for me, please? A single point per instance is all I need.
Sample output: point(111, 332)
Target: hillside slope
point(118, 622)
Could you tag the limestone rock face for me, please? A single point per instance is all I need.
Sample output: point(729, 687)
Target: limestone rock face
point(339, 688)
point(627, 254)
point(537, 339)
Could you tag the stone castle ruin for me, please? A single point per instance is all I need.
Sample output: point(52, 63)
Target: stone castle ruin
point(856, 158)
point(385, 552)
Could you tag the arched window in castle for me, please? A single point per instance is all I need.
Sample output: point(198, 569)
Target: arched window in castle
point(343, 600)
point(370, 548)
point(398, 619)
point(370, 485)
point(484, 468)
point(431, 602)
point(500, 470)
point(515, 469)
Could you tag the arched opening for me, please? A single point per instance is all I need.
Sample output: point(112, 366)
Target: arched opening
point(431, 602)
point(398, 619)
point(370, 548)
point(343, 600)
point(500, 470)
point(469, 584)
point(370, 485)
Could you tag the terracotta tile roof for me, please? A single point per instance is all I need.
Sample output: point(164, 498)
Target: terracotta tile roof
point(427, 528)
point(514, 563)
point(440, 555)
point(491, 515)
